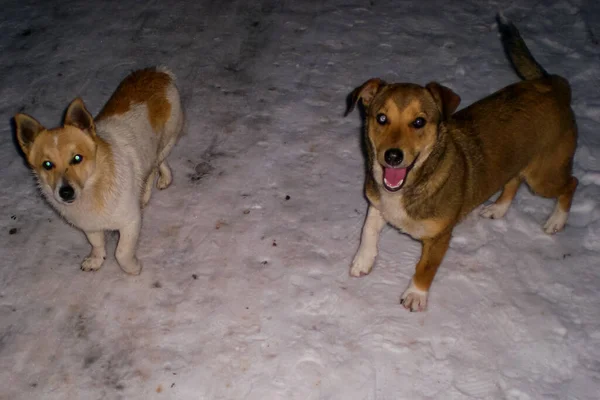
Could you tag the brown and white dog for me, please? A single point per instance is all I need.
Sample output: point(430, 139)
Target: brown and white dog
point(98, 173)
point(428, 167)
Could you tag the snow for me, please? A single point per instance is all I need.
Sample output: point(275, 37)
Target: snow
point(246, 293)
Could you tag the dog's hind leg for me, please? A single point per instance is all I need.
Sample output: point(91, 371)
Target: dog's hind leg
point(550, 176)
point(165, 176)
point(148, 187)
point(497, 209)
point(559, 216)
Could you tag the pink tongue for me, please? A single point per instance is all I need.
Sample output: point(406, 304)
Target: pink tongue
point(394, 176)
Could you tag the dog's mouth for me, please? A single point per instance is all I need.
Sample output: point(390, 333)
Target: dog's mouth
point(394, 178)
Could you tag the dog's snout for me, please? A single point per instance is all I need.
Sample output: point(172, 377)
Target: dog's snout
point(393, 157)
point(67, 193)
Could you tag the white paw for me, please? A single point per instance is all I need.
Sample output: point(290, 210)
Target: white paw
point(164, 180)
point(556, 222)
point(92, 263)
point(494, 211)
point(362, 264)
point(134, 267)
point(414, 299)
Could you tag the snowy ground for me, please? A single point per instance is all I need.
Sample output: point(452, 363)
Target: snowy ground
point(245, 292)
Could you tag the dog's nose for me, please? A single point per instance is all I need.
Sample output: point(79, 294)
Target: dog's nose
point(66, 193)
point(393, 157)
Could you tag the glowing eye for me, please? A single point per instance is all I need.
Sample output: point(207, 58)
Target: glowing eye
point(381, 119)
point(419, 123)
point(47, 165)
point(77, 158)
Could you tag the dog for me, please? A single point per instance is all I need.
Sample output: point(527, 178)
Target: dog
point(98, 173)
point(428, 167)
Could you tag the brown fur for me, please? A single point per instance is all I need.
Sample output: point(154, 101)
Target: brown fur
point(146, 85)
point(525, 131)
point(59, 145)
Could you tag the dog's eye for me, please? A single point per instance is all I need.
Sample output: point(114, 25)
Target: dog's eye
point(381, 119)
point(47, 165)
point(419, 123)
point(77, 158)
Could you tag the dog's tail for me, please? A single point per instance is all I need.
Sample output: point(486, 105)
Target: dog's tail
point(518, 53)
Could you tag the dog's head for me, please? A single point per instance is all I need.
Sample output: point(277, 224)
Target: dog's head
point(62, 158)
point(402, 122)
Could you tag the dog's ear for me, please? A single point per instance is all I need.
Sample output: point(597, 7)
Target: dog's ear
point(27, 129)
point(364, 93)
point(78, 116)
point(446, 100)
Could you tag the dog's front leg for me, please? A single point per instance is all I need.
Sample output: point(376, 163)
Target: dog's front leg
point(95, 259)
point(415, 297)
point(367, 251)
point(128, 238)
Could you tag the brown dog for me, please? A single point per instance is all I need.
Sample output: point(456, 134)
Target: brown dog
point(428, 168)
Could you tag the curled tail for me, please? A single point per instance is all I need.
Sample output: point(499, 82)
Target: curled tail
point(518, 53)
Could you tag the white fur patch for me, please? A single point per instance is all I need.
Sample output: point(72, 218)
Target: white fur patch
point(495, 210)
point(367, 251)
point(414, 299)
point(165, 177)
point(557, 220)
point(363, 262)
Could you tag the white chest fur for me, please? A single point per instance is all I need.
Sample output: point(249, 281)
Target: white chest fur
point(392, 209)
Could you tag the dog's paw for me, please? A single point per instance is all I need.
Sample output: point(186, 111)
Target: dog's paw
point(92, 263)
point(414, 299)
point(362, 264)
point(165, 176)
point(494, 211)
point(556, 222)
point(164, 181)
point(134, 267)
